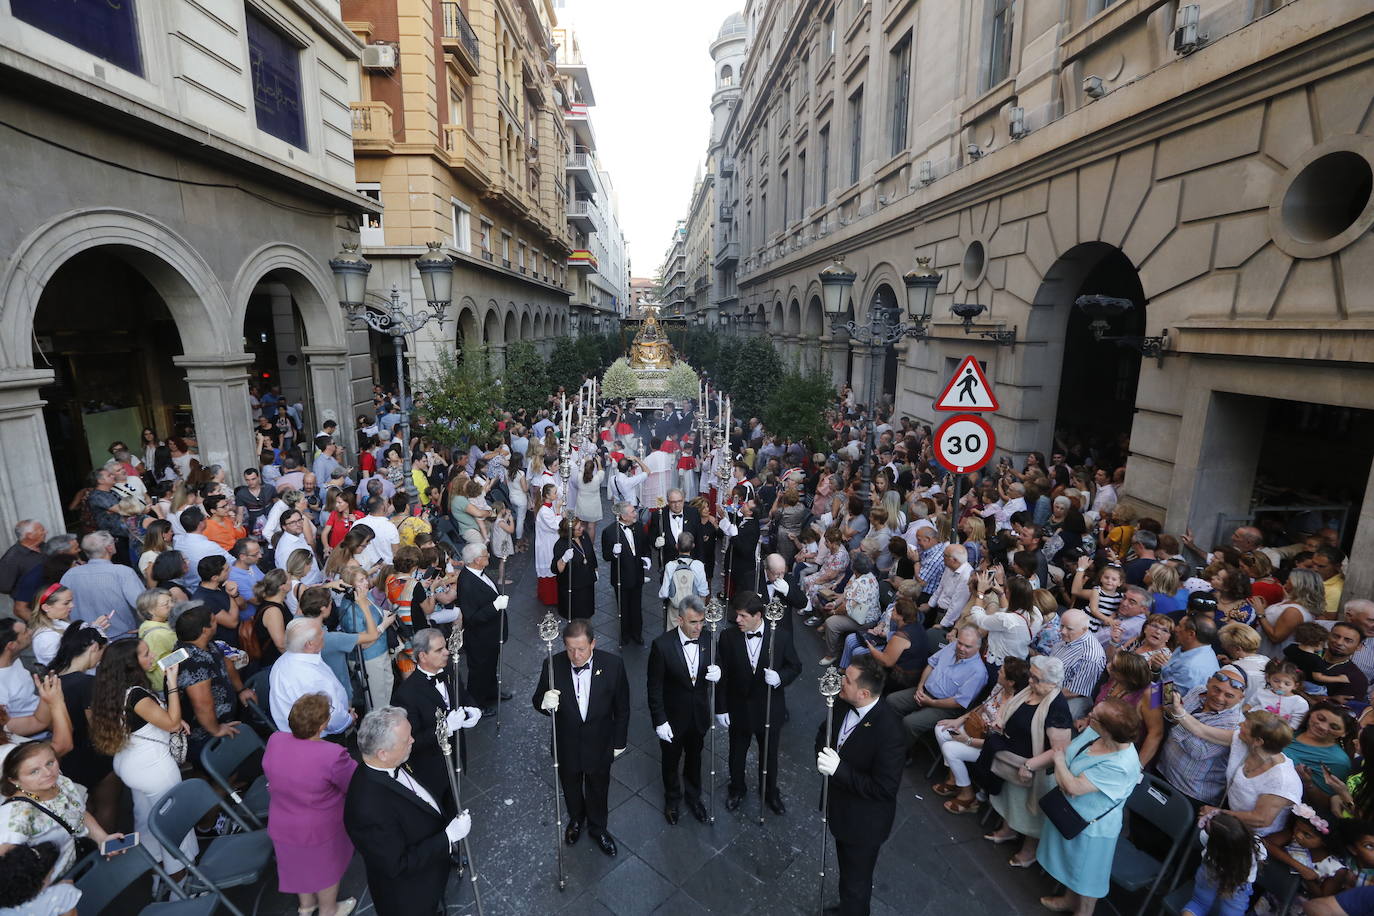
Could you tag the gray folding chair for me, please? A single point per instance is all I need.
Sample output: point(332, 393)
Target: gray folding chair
point(221, 758)
point(102, 881)
point(1137, 871)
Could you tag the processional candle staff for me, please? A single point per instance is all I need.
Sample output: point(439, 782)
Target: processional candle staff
point(830, 688)
point(454, 760)
point(715, 613)
point(773, 612)
point(548, 632)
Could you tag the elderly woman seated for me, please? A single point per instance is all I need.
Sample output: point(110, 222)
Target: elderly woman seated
point(961, 739)
point(854, 611)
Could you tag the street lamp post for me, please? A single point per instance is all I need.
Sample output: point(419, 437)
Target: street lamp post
point(884, 327)
point(394, 317)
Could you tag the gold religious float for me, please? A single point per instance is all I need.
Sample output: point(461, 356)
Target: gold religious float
point(651, 348)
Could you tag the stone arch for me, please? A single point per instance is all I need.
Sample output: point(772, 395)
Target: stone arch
point(813, 316)
point(526, 323)
point(539, 325)
point(779, 319)
point(792, 323)
point(310, 284)
point(761, 318)
point(193, 295)
point(511, 324)
point(882, 275)
point(468, 330)
point(491, 325)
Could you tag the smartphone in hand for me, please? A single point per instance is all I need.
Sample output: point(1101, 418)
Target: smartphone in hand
point(119, 844)
point(174, 658)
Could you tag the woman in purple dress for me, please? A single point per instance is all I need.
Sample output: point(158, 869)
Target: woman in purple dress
point(309, 777)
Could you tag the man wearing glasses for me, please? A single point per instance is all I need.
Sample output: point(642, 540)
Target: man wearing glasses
point(1194, 660)
point(1194, 764)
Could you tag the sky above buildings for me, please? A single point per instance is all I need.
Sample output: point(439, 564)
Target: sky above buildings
point(651, 70)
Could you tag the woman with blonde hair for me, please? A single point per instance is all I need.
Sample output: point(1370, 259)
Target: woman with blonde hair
point(1304, 601)
point(298, 566)
point(154, 610)
point(975, 538)
point(1162, 582)
point(157, 539)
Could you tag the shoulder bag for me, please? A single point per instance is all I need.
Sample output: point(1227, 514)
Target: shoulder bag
point(84, 845)
point(1065, 817)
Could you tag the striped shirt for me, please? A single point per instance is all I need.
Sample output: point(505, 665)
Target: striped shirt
point(1107, 603)
point(1084, 661)
point(1192, 764)
point(932, 567)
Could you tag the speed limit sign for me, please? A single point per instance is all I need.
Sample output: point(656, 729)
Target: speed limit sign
point(964, 442)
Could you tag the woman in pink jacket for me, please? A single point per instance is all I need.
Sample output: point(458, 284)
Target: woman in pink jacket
point(308, 778)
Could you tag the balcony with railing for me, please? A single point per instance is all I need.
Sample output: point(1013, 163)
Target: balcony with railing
point(582, 216)
point(727, 212)
point(459, 38)
point(727, 255)
point(726, 166)
point(465, 154)
point(581, 166)
point(372, 131)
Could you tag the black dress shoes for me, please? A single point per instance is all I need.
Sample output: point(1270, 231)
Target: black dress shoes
point(570, 836)
point(698, 811)
point(671, 814)
point(732, 803)
point(775, 804)
point(606, 844)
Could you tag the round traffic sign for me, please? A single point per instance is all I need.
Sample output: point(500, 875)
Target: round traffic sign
point(964, 442)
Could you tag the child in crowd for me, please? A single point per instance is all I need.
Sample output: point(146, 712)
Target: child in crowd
point(1357, 838)
point(1231, 858)
point(1278, 693)
point(1309, 639)
point(1104, 597)
point(502, 539)
point(1304, 845)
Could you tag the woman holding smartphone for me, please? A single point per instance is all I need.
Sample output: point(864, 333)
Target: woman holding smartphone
point(38, 798)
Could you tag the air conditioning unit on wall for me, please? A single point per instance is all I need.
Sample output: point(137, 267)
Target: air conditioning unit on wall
point(379, 57)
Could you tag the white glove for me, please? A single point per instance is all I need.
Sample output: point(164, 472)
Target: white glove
point(567, 556)
point(454, 720)
point(658, 542)
point(664, 732)
point(828, 761)
point(730, 528)
point(771, 678)
point(646, 562)
point(713, 673)
point(471, 716)
point(550, 701)
point(617, 752)
point(781, 586)
point(723, 719)
point(616, 549)
point(458, 828)
point(500, 602)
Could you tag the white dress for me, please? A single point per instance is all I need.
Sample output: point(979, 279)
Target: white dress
point(145, 765)
point(589, 498)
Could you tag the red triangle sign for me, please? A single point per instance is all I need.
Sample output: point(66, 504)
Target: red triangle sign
point(967, 390)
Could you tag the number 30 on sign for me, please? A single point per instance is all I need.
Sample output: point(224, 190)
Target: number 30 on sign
point(964, 443)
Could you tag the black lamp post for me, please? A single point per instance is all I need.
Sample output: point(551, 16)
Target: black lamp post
point(1102, 309)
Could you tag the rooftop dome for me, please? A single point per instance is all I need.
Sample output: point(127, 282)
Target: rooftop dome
point(732, 26)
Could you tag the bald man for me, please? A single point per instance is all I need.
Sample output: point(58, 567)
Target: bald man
point(776, 582)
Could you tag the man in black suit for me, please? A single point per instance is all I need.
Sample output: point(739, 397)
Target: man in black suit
point(681, 671)
point(743, 558)
point(776, 582)
point(588, 696)
point(750, 673)
point(423, 696)
point(484, 627)
point(625, 546)
point(865, 770)
point(407, 838)
point(667, 525)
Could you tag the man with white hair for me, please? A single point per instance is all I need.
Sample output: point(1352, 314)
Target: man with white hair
point(952, 679)
point(23, 555)
point(484, 627)
point(1359, 613)
point(407, 838)
point(950, 597)
point(929, 557)
point(100, 586)
point(1084, 660)
point(786, 588)
point(301, 670)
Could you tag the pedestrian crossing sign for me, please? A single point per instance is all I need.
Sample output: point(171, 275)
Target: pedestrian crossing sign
point(967, 390)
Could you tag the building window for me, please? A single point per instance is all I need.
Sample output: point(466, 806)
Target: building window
point(763, 218)
point(786, 216)
point(369, 225)
point(455, 109)
point(505, 249)
point(521, 256)
point(1000, 17)
point(900, 59)
point(276, 65)
point(486, 239)
point(107, 30)
point(727, 76)
point(830, 32)
point(856, 133)
point(801, 185)
point(462, 224)
point(823, 173)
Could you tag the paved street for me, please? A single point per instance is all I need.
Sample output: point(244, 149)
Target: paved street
point(934, 862)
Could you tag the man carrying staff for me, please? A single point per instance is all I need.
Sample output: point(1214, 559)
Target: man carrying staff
point(681, 671)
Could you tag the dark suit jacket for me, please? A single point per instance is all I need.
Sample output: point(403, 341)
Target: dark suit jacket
point(587, 747)
point(745, 692)
point(795, 599)
point(583, 563)
point(744, 547)
point(483, 624)
point(402, 841)
point(863, 791)
point(627, 565)
point(421, 700)
point(673, 698)
point(691, 524)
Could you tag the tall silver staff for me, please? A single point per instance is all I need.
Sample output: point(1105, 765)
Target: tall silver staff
point(455, 646)
point(715, 613)
point(773, 612)
point(548, 631)
point(724, 472)
point(830, 688)
point(565, 471)
point(455, 761)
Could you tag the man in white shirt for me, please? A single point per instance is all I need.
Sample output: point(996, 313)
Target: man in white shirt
point(952, 594)
point(1105, 500)
point(301, 670)
point(296, 534)
point(680, 673)
point(659, 465)
point(195, 546)
point(385, 536)
point(17, 692)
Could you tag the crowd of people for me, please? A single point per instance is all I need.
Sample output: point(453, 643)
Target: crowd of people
point(1043, 637)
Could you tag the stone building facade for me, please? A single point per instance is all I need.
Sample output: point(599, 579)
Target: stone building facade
point(1208, 163)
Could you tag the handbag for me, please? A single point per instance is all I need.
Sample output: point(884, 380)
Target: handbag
point(975, 726)
point(84, 845)
point(1007, 765)
point(1064, 816)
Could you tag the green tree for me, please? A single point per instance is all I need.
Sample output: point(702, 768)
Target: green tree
point(619, 382)
point(796, 408)
point(565, 365)
point(456, 403)
point(755, 374)
point(526, 380)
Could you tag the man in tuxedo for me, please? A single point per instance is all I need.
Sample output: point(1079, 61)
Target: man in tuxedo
point(865, 770)
point(667, 526)
point(776, 582)
point(484, 627)
point(625, 546)
point(588, 696)
point(681, 671)
point(407, 839)
point(743, 558)
point(425, 696)
point(750, 672)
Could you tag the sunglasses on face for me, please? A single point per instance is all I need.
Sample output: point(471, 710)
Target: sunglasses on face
point(1227, 679)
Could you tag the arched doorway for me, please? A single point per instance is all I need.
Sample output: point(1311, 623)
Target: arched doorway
point(813, 326)
point(884, 298)
point(1094, 402)
point(275, 334)
point(109, 339)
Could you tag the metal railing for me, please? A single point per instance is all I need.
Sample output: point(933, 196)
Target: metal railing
point(456, 26)
point(371, 120)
